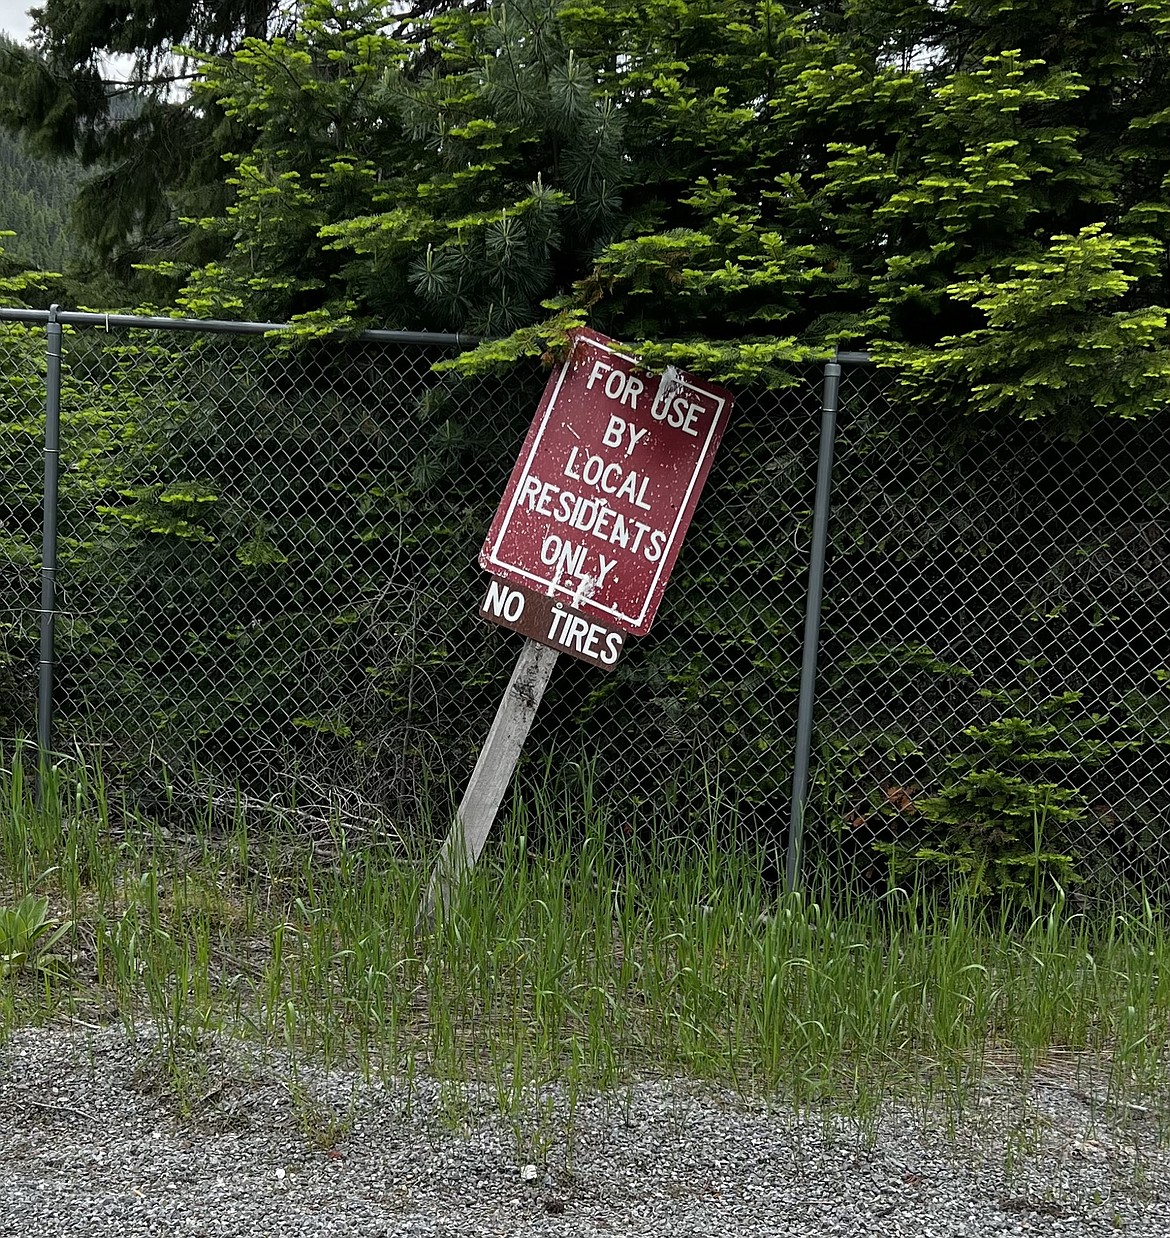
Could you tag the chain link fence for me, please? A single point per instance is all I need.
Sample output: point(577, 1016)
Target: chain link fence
point(268, 589)
point(993, 692)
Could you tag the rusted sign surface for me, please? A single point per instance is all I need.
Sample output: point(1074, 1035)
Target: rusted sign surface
point(553, 623)
point(606, 484)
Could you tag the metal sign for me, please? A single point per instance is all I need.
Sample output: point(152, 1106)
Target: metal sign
point(607, 481)
point(552, 623)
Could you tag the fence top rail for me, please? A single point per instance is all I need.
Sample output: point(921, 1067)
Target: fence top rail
point(219, 326)
point(223, 326)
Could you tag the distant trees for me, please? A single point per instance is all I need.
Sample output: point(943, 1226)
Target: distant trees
point(35, 198)
point(109, 85)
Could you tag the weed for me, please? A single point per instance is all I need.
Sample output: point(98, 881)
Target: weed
point(28, 935)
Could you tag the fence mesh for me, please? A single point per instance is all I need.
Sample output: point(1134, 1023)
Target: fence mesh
point(268, 590)
point(268, 587)
point(994, 655)
point(22, 392)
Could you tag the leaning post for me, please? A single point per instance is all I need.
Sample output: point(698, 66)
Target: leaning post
point(582, 545)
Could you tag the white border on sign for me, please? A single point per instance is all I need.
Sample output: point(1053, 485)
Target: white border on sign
point(710, 395)
point(550, 585)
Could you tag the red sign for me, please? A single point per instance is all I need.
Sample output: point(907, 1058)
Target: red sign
point(607, 481)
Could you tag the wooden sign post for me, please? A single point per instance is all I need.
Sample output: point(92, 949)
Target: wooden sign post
point(583, 543)
point(492, 773)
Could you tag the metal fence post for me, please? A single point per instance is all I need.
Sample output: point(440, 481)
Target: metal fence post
point(812, 626)
point(49, 540)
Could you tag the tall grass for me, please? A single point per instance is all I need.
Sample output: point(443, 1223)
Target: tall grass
point(587, 962)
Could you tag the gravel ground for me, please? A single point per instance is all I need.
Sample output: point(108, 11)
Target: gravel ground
point(92, 1143)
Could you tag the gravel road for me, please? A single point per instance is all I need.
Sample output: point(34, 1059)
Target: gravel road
point(92, 1143)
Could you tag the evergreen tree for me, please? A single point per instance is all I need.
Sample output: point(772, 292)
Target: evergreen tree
point(728, 184)
point(457, 177)
point(104, 83)
point(736, 185)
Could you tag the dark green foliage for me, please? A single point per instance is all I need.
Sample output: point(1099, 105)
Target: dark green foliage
point(268, 559)
point(980, 574)
point(277, 531)
point(125, 119)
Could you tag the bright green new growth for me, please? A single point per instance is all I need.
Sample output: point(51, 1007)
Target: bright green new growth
point(976, 193)
point(28, 935)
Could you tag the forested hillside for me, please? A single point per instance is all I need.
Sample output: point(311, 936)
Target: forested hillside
point(35, 195)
